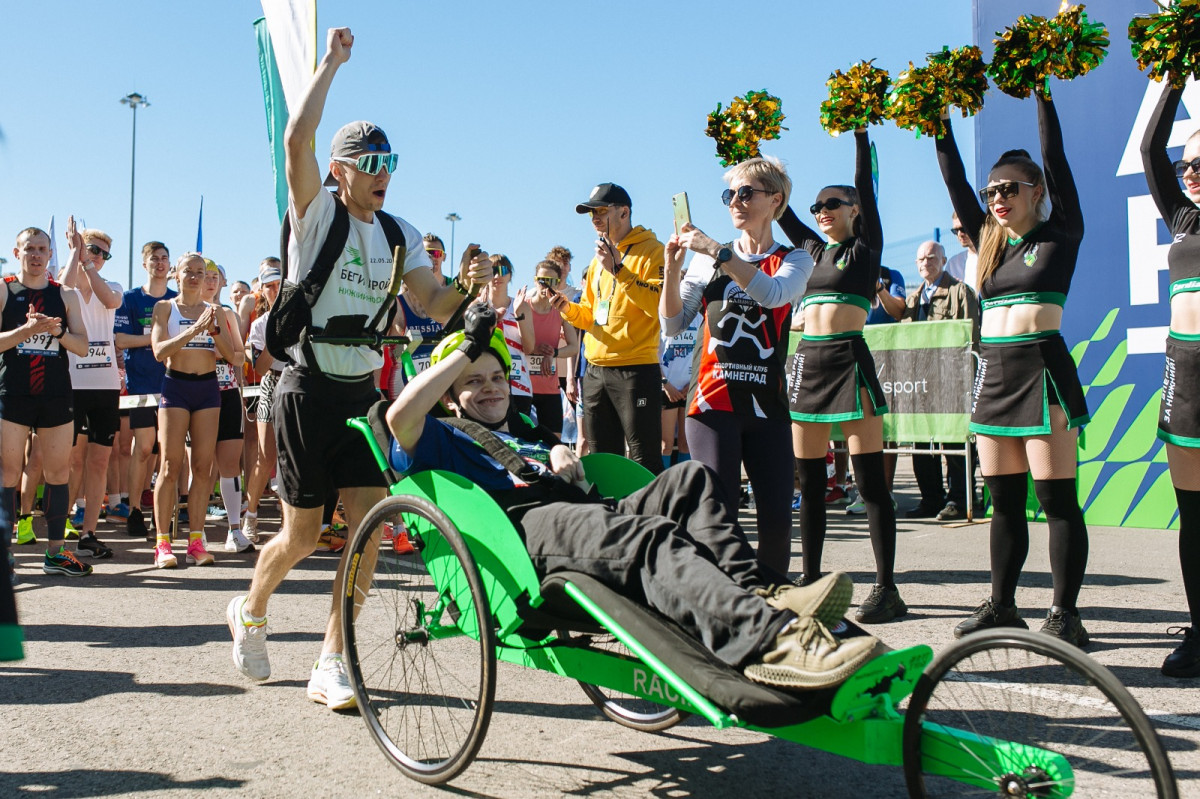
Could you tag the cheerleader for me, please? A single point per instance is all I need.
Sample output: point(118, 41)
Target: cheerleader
point(1027, 401)
point(1179, 414)
point(833, 377)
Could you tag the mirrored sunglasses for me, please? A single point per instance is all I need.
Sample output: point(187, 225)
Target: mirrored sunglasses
point(434, 252)
point(372, 163)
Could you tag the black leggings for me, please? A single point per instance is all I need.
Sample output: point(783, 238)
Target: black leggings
point(622, 405)
point(1010, 536)
point(725, 442)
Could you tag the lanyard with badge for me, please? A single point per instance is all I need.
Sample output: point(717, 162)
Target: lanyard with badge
point(600, 315)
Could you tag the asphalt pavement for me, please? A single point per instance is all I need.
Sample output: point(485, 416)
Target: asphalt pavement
point(128, 688)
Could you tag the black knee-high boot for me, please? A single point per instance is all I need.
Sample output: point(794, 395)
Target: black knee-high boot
point(1009, 533)
point(881, 514)
point(1068, 538)
point(812, 513)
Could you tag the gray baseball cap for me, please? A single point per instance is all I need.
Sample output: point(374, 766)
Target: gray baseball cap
point(355, 139)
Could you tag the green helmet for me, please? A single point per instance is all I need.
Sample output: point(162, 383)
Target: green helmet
point(497, 345)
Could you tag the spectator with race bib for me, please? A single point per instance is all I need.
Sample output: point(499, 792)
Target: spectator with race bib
point(675, 359)
point(541, 338)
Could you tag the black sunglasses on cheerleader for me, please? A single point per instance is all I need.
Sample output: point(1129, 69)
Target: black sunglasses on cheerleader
point(1006, 190)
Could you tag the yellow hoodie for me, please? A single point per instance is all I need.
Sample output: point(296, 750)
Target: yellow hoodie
point(630, 337)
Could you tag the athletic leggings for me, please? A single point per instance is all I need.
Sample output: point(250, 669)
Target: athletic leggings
point(1010, 536)
point(1189, 549)
point(725, 442)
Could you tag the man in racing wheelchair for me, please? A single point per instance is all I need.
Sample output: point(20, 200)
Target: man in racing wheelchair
point(674, 545)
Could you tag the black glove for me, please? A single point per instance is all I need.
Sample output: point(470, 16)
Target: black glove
point(479, 320)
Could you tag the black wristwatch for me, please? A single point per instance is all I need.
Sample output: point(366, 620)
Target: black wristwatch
point(61, 333)
point(724, 255)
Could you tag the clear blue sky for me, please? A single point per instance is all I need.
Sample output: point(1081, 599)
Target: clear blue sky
point(506, 113)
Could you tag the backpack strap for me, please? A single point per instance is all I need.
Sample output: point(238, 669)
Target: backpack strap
point(497, 449)
point(395, 238)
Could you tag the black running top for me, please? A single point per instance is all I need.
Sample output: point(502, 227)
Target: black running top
point(845, 271)
point(37, 366)
point(1180, 213)
point(1037, 267)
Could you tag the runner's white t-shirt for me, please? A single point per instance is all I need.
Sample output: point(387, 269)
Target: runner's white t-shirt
point(359, 281)
point(97, 369)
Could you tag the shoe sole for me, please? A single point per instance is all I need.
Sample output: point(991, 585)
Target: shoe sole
point(320, 698)
point(67, 572)
point(166, 564)
point(830, 607)
point(232, 611)
point(194, 562)
point(1183, 673)
point(781, 677)
point(883, 616)
point(101, 555)
point(1019, 624)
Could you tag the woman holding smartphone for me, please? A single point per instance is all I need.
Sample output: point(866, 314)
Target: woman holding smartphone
point(1028, 403)
point(737, 405)
point(188, 334)
point(542, 328)
point(1179, 416)
point(833, 376)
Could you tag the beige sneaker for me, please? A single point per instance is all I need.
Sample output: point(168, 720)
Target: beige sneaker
point(807, 656)
point(827, 599)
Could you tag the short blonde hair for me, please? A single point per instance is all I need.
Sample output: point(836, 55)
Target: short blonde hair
point(96, 234)
point(768, 171)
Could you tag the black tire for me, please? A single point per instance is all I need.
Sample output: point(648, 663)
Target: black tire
point(1029, 688)
point(627, 710)
point(426, 700)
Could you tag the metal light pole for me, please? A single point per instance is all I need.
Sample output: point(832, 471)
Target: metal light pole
point(133, 101)
point(452, 218)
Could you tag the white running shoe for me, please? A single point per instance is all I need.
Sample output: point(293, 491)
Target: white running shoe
point(163, 559)
point(330, 685)
point(249, 642)
point(236, 542)
point(250, 526)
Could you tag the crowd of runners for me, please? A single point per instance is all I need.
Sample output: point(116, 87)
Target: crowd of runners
point(163, 406)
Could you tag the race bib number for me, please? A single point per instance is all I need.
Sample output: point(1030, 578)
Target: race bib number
point(43, 344)
point(99, 356)
point(226, 375)
point(202, 341)
point(538, 364)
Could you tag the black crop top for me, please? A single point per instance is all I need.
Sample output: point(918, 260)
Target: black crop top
point(846, 271)
point(1180, 213)
point(1038, 267)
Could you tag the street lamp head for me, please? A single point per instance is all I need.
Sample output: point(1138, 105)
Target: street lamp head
point(453, 217)
point(133, 100)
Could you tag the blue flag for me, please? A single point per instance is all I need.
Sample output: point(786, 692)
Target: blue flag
point(200, 227)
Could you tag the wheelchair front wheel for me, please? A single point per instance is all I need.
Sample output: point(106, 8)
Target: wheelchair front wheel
point(1016, 713)
point(419, 637)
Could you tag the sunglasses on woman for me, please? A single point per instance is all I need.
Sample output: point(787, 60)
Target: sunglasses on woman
point(744, 193)
point(503, 270)
point(372, 163)
point(833, 203)
point(1184, 166)
point(1005, 190)
point(547, 282)
point(94, 250)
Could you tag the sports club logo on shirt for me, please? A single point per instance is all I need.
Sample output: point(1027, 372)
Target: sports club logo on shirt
point(1031, 256)
point(841, 264)
point(354, 257)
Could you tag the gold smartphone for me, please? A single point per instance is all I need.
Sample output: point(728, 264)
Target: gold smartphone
point(683, 216)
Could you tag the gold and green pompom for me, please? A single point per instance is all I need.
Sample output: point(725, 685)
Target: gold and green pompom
point(1167, 44)
point(949, 78)
point(756, 117)
point(1034, 49)
point(857, 98)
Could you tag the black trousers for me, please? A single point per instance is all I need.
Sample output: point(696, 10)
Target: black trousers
point(928, 471)
point(623, 404)
point(674, 545)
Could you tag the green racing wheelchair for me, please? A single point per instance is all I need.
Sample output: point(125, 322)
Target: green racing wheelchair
point(439, 589)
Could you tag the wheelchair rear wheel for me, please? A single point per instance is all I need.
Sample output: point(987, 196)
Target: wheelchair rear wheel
point(419, 637)
point(1075, 730)
point(625, 709)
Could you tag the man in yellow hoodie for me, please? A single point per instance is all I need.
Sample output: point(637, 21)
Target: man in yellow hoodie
point(618, 312)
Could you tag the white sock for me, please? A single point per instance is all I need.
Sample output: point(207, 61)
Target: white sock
point(231, 495)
